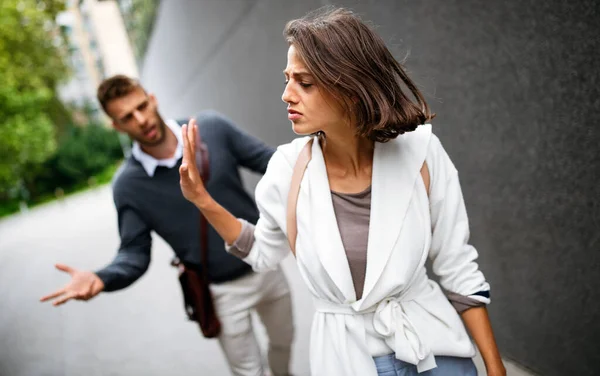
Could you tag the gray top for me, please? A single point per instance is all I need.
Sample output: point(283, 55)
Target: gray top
point(155, 203)
point(352, 213)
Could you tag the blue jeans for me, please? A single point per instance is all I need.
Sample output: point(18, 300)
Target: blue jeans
point(388, 365)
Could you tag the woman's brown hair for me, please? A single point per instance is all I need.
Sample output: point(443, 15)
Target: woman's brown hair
point(352, 63)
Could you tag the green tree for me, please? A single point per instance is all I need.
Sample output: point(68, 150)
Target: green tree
point(31, 65)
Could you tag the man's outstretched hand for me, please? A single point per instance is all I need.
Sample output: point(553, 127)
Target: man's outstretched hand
point(84, 285)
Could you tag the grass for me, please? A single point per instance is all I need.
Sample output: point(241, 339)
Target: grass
point(104, 177)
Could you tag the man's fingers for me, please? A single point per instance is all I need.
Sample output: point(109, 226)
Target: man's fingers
point(64, 299)
point(88, 293)
point(97, 287)
point(64, 268)
point(93, 290)
point(55, 294)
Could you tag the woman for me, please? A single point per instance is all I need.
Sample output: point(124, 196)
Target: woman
point(379, 196)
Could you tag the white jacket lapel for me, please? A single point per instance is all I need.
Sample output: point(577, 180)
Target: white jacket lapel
point(396, 166)
point(327, 239)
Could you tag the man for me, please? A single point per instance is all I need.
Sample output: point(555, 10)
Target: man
point(148, 198)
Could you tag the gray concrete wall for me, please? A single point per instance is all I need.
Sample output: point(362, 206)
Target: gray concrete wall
point(515, 86)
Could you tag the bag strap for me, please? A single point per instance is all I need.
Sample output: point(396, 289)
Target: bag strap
point(202, 156)
point(297, 175)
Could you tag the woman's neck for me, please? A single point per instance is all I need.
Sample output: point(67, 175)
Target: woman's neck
point(348, 155)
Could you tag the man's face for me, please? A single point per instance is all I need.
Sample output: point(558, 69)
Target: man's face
point(137, 115)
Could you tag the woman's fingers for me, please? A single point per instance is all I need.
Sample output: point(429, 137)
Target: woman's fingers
point(186, 151)
point(194, 134)
point(189, 132)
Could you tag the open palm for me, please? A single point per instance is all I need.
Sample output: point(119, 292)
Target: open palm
point(84, 285)
point(191, 184)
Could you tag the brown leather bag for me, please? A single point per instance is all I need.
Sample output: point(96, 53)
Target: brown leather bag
point(197, 297)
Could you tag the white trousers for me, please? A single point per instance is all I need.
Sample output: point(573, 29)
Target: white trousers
point(268, 295)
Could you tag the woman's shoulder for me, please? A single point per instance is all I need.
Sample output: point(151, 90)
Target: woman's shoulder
point(413, 145)
point(281, 164)
point(436, 157)
point(419, 137)
point(275, 183)
point(288, 153)
point(422, 139)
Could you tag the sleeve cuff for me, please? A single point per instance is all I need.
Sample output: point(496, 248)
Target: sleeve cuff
point(243, 244)
point(108, 279)
point(461, 302)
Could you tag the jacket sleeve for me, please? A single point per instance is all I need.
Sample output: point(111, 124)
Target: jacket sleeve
point(265, 245)
point(453, 258)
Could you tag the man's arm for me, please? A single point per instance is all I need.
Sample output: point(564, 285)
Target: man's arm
point(131, 262)
point(249, 151)
point(133, 257)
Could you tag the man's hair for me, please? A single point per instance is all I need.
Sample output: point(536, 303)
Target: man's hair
point(352, 63)
point(116, 87)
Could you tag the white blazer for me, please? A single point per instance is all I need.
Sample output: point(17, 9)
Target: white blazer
point(400, 304)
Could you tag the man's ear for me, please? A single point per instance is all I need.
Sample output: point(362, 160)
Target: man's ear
point(153, 100)
point(116, 126)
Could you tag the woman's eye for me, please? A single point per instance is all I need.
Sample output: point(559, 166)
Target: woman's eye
point(303, 84)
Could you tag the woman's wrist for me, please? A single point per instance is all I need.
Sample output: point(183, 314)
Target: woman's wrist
point(495, 367)
point(204, 201)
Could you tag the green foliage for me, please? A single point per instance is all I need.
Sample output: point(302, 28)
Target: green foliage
point(86, 152)
point(31, 66)
point(40, 152)
point(83, 153)
point(30, 54)
point(26, 135)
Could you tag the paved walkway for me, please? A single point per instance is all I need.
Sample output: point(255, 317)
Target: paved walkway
point(139, 331)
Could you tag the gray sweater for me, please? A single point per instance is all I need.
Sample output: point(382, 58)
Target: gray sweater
point(145, 204)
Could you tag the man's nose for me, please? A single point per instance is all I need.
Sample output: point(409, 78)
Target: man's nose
point(139, 117)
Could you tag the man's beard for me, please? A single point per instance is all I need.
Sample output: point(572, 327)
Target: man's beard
point(161, 128)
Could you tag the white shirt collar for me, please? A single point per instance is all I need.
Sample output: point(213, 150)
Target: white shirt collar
point(149, 163)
